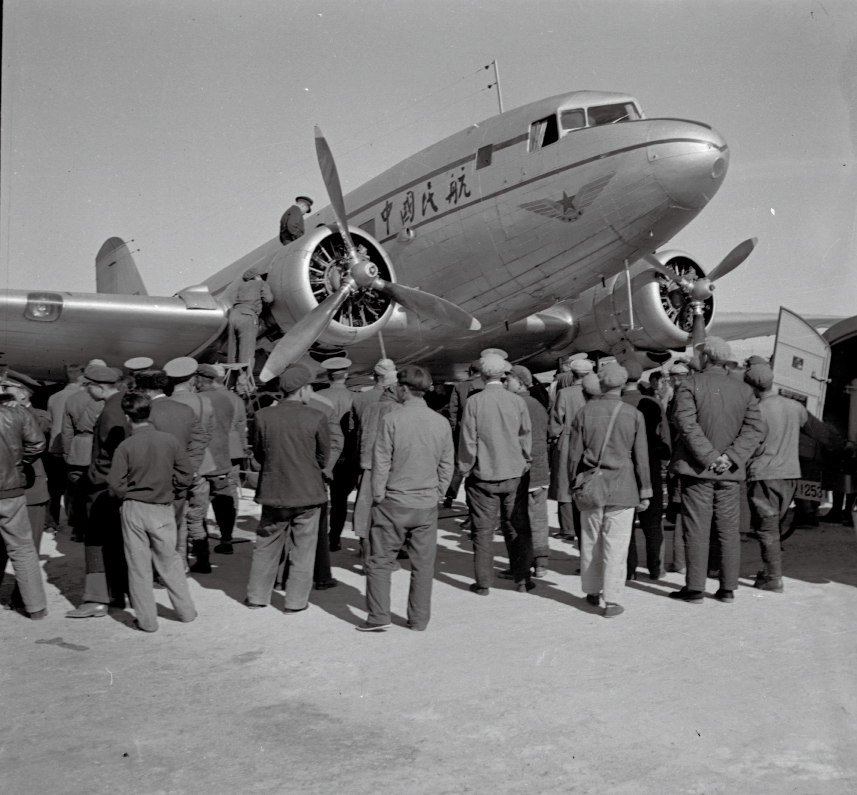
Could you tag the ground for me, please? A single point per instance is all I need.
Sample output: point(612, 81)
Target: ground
point(514, 692)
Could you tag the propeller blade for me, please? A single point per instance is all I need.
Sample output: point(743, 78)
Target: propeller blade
point(428, 305)
point(733, 259)
point(303, 334)
point(663, 269)
point(697, 338)
point(334, 190)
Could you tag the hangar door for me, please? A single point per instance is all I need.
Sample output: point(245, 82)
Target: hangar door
point(801, 362)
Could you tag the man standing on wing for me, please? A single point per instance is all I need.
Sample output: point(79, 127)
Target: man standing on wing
point(411, 468)
point(719, 427)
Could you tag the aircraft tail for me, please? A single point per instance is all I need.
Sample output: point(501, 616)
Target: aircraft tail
point(115, 271)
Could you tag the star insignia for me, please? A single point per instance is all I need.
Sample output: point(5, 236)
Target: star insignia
point(570, 208)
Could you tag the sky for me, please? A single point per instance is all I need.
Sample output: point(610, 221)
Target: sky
point(186, 128)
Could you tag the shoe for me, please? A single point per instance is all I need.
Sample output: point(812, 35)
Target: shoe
point(631, 577)
point(723, 595)
point(506, 574)
point(88, 610)
point(224, 548)
point(691, 597)
point(290, 611)
point(577, 571)
point(416, 629)
point(136, 625)
point(478, 591)
point(117, 604)
point(368, 627)
point(36, 615)
point(831, 517)
point(713, 574)
point(594, 599)
point(200, 552)
point(335, 547)
point(655, 575)
point(525, 586)
point(675, 569)
point(447, 503)
point(613, 610)
point(540, 572)
point(323, 586)
point(774, 584)
point(280, 586)
point(253, 605)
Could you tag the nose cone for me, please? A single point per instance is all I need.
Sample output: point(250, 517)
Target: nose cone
point(690, 161)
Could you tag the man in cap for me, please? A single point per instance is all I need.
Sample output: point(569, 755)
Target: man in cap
point(223, 479)
point(243, 317)
point(182, 374)
point(494, 452)
point(55, 467)
point(382, 371)
point(106, 572)
point(411, 467)
point(149, 474)
point(719, 427)
point(23, 442)
point(568, 400)
point(346, 469)
point(659, 448)
point(609, 434)
point(532, 502)
point(80, 414)
point(138, 364)
point(292, 222)
point(368, 434)
point(472, 385)
point(291, 443)
point(773, 471)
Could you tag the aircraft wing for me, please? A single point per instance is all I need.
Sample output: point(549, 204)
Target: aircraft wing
point(746, 325)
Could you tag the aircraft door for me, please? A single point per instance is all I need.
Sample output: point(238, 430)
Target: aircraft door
point(801, 362)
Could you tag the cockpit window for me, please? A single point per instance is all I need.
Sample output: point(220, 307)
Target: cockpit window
point(543, 133)
point(611, 114)
point(573, 119)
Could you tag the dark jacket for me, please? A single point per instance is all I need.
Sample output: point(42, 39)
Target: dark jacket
point(458, 399)
point(626, 458)
point(37, 480)
point(111, 429)
point(150, 466)
point(540, 471)
point(224, 418)
point(178, 420)
point(291, 443)
point(715, 414)
point(657, 427)
point(21, 442)
point(291, 224)
point(568, 401)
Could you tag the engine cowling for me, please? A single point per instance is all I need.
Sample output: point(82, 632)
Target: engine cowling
point(307, 270)
point(662, 318)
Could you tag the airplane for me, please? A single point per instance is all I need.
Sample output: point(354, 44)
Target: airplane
point(536, 231)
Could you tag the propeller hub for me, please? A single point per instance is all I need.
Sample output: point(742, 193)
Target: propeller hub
point(364, 272)
point(701, 290)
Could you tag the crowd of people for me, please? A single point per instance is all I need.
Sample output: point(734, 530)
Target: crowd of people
point(138, 456)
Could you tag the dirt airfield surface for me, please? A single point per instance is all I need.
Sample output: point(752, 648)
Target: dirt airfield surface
point(511, 693)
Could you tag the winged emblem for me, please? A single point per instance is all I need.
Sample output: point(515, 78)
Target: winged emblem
point(570, 208)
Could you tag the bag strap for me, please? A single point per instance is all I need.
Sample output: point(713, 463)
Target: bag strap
point(609, 432)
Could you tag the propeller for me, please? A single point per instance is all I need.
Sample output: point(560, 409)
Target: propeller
point(361, 273)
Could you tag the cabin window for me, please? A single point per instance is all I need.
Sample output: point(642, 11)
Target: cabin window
point(543, 133)
point(573, 119)
point(610, 114)
point(483, 156)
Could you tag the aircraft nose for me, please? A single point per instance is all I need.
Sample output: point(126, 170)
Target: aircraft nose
point(690, 160)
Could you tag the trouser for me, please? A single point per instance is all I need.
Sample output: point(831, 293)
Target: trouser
point(530, 514)
point(455, 483)
point(36, 517)
point(651, 525)
point(77, 497)
point(192, 524)
point(701, 501)
point(363, 505)
point(106, 570)
point(569, 519)
point(57, 487)
point(679, 552)
point(321, 565)
point(149, 533)
point(605, 536)
point(537, 517)
point(289, 531)
point(223, 490)
point(492, 503)
point(242, 336)
point(392, 526)
point(343, 483)
point(769, 502)
point(18, 546)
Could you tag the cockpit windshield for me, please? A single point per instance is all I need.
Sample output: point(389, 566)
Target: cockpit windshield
point(573, 119)
point(610, 114)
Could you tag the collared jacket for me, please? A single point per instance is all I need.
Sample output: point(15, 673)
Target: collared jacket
point(334, 431)
point(657, 427)
point(715, 414)
point(496, 439)
point(21, 442)
point(56, 408)
point(458, 399)
point(342, 399)
point(362, 400)
point(250, 297)
point(291, 224)
point(372, 416)
point(224, 417)
point(413, 458)
point(150, 466)
point(776, 457)
point(568, 401)
point(173, 417)
point(203, 412)
point(79, 418)
point(111, 429)
point(540, 470)
point(625, 462)
point(291, 442)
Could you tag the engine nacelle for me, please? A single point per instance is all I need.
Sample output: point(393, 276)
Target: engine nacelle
point(661, 319)
point(306, 271)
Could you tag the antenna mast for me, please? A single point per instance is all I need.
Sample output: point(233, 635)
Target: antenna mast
point(497, 83)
